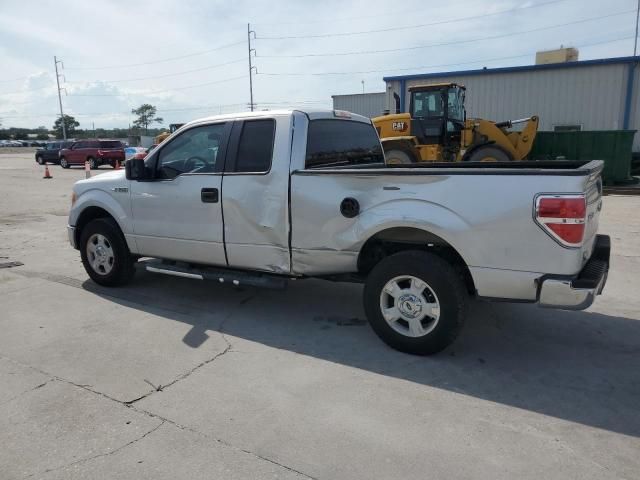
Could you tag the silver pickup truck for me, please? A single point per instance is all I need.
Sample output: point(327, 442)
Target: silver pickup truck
point(261, 198)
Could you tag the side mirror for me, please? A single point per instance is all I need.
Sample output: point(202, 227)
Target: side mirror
point(134, 169)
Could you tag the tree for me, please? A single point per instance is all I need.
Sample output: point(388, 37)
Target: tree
point(146, 116)
point(42, 136)
point(70, 124)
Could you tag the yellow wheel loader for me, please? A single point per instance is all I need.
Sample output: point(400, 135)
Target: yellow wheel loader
point(164, 135)
point(436, 129)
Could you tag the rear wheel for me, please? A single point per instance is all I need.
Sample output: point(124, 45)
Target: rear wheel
point(398, 157)
point(64, 163)
point(104, 252)
point(40, 160)
point(416, 302)
point(489, 154)
point(93, 163)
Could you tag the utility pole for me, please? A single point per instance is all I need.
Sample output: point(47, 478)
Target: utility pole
point(251, 67)
point(64, 128)
point(362, 81)
point(635, 45)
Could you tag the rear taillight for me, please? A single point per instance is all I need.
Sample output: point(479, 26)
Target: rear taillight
point(562, 217)
point(100, 152)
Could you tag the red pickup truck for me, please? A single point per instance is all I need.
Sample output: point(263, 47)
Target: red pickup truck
point(96, 152)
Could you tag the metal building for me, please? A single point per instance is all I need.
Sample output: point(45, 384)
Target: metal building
point(367, 104)
point(587, 95)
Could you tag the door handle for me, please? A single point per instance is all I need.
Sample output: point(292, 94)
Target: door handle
point(209, 195)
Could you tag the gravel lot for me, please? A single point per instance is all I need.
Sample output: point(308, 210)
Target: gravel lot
point(171, 378)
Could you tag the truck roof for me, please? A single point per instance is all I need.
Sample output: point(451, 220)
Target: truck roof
point(312, 113)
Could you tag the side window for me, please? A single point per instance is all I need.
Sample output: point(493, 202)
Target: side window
point(255, 147)
point(333, 143)
point(78, 145)
point(193, 151)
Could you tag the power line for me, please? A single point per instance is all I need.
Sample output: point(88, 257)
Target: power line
point(27, 91)
point(159, 61)
point(417, 47)
point(433, 65)
point(347, 19)
point(409, 27)
point(17, 79)
point(155, 91)
point(185, 72)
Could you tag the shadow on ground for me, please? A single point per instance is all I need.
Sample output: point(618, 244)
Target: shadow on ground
point(578, 366)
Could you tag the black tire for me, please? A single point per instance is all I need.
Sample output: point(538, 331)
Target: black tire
point(40, 160)
point(64, 163)
point(122, 268)
point(489, 154)
point(443, 284)
point(93, 164)
point(398, 156)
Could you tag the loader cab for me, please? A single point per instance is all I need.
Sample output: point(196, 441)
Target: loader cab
point(437, 114)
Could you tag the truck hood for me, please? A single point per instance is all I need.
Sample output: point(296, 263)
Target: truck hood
point(104, 181)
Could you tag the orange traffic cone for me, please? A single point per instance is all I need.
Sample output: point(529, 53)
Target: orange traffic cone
point(47, 175)
point(117, 165)
point(87, 170)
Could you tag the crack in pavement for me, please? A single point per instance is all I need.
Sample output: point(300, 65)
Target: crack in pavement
point(106, 454)
point(25, 392)
point(164, 420)
point(227, 349)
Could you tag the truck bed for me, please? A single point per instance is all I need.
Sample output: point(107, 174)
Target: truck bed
point(529, 167)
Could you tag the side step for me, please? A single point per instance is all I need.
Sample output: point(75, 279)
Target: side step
point(235, 277)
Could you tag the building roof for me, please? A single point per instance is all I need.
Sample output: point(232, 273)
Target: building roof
point(523, 68)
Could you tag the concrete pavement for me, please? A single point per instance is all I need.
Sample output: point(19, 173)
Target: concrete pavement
point(174, 378)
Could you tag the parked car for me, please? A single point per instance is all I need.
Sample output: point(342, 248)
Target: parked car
point(318, 201)
point(49, 154)
point(131, 152)
point(96, 152)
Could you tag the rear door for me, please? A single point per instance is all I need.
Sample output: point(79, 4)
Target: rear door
point(255, 194)
point(51, 151)
point(178, 214)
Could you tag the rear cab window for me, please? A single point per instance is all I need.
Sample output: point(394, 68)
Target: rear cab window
point(255, 147)
point(342, 143)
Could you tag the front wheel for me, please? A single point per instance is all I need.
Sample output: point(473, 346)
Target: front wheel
point(415, 302)
point(64, 163)
point(40, 160)
point(489, 154)
point(105, 254)
point(398, 157)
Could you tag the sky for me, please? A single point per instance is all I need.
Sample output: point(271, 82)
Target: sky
point(190, 58)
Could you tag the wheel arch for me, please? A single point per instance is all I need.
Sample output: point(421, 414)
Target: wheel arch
point(392, 240)
point(97, 204)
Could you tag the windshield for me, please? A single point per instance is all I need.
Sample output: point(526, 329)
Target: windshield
point(427, 104)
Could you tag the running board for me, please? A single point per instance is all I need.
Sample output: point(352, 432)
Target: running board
point(235, 277)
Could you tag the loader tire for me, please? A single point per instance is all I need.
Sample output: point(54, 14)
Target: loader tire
point(489, 154)
point(397, 156)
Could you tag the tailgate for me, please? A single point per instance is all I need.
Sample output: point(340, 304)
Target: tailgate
point(593, 194)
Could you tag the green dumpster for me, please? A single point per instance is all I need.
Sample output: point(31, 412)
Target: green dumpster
point(612, 146)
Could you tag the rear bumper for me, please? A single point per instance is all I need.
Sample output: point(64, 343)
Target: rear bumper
point(578, 292)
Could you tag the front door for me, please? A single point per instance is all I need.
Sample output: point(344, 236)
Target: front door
point(74, 154)
point(178, 214)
